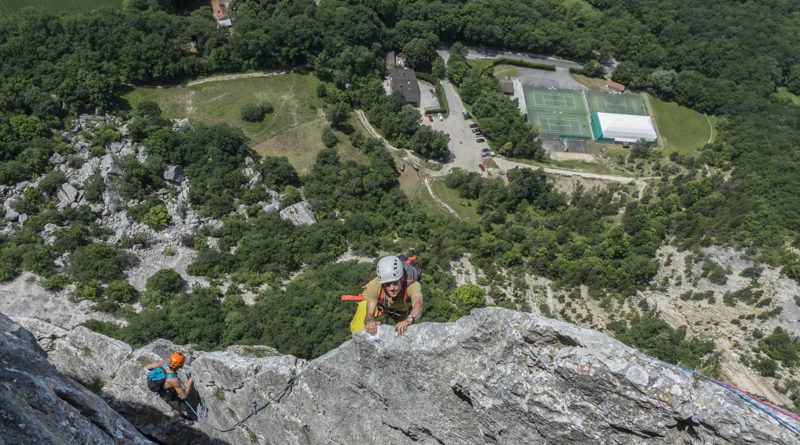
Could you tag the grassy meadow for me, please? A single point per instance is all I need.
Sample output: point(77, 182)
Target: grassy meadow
point(681, 129)
point(293, 129)
point(11, 6)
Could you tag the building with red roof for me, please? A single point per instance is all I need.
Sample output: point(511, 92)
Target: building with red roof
point(221, 13)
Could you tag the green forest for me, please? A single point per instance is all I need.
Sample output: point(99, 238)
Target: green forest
point(722, 57)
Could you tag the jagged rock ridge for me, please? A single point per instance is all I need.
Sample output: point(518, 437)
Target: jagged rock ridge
point(40, 405)
point(496, 376)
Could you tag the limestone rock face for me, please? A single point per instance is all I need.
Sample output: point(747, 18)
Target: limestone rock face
point(39, 405)
point(495, 376)
point(299, 214)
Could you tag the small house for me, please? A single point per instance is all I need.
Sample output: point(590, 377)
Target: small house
point(616, 86)
point(507, 85)
point(221, 13)
point(405, 81)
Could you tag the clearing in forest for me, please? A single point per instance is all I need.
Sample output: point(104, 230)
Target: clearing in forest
point(681, 129)
point(292, 129)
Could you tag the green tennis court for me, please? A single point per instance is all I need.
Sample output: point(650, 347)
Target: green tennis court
point(557, 100)
point(557, 113)
point(559, 124)
point(616, 103)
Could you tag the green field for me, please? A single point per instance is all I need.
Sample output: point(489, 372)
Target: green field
point(9, 6)
point(293, 129)
point(681, 129)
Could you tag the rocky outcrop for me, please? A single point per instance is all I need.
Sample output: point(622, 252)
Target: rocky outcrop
point(299, 214)
point(495, 376)
point(40, 405)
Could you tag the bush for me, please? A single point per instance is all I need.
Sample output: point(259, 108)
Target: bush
point(56, 282)
point(329, 138)
point(157, 217)
point(164, 282)
point(290, 196)
point(50, 183)
point(94, 187)
point(120, 291)
point(99, 262)
point(252, 112)
point(266, 107)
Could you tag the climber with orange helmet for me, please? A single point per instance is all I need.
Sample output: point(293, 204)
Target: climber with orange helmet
point(171, 390)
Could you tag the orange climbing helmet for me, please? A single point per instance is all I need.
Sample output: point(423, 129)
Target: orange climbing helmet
point(176, 360)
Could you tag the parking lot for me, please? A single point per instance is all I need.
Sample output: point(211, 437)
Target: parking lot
point(466, 152)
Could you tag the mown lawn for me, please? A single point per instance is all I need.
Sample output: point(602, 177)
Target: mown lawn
point(293, 129)
point(11, 6)
point(681, 129)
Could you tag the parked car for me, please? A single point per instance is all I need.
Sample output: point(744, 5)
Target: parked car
point(484, 154)
point(485, 149)
point(473, 125)
point(466, 115)
point(476, 130)
point(479, 135)
point(479, 140)
point(491, 153)
point(440, 116)
point(483, 169)
point(430, 118)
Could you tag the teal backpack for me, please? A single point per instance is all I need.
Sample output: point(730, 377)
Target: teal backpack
point(156, 379)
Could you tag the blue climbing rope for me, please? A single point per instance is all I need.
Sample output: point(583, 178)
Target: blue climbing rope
point(255, 410)
point(746, 397)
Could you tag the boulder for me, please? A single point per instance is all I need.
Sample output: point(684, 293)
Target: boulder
point(174, 174)
point(299, 214)
point(67, 194)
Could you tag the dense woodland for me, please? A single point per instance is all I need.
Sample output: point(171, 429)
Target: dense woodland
point(725, 58)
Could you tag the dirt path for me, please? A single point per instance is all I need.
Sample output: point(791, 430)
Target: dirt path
point(219, 78)
point(710, 129)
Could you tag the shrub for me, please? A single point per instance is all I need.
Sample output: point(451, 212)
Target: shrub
point(290, 196)
point(94, 187)
point(266, 107)
point(120, 291)
point(56, 282)
point(157, 217)
point(89, 290)
point(164, 282)
point(252, 112)
point(329, 138)
point(100, 262)
point(50, 183)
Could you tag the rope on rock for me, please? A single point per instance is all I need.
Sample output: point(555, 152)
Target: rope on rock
point(760, 404)
point(255, 410)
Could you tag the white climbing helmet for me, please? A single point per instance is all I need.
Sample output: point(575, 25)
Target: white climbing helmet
point(390, 268)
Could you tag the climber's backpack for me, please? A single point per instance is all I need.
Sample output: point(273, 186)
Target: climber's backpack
point(156, 379)
point(411, 268)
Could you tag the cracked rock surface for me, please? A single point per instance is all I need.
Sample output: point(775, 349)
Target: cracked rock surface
point(495, 376)
point(40, 405)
